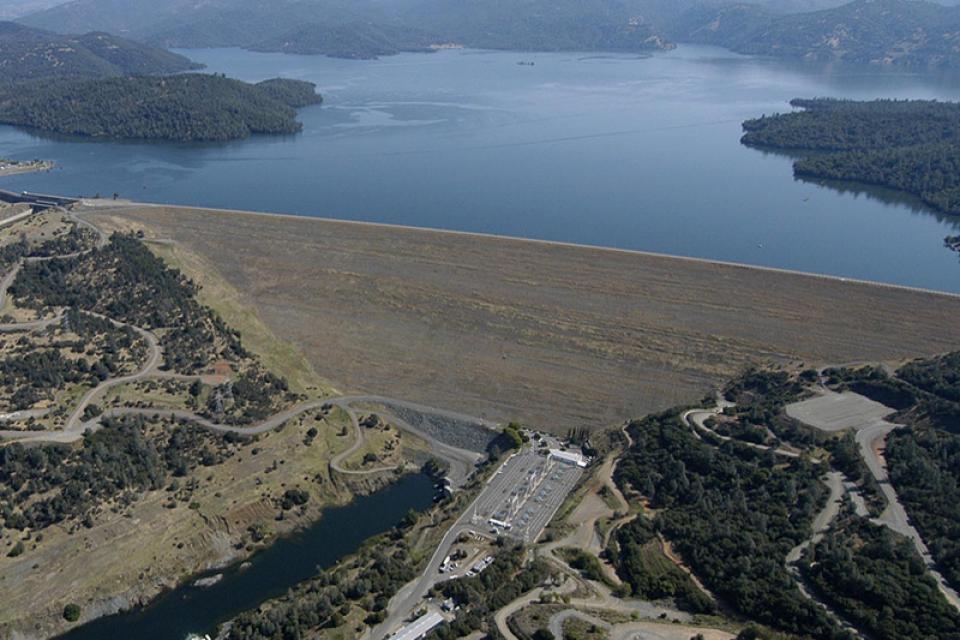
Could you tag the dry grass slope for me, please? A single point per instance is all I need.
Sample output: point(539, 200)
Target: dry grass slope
point(555, 335)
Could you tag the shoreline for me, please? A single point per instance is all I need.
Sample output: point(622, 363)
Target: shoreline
point(21, 168)
point(143, 598)
point(85, 207)
point(558, 335)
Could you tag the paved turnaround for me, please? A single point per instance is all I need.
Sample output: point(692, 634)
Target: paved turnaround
point(834, 411)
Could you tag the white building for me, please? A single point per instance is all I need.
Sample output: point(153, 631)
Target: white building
point(568, 457)
point(419, 627)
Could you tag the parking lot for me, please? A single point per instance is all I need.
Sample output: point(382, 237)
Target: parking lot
point(838, 412)
point(524, 495)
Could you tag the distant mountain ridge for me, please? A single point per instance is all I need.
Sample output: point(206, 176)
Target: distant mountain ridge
point(913, 33)
point(363, 28)
point(15, 8)
point(895, 32)
point(33, 54)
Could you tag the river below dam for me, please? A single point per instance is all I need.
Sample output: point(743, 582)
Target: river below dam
point(269, 573)
point(626, 151)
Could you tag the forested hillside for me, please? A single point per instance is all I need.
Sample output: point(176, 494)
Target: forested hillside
point(913, 146)
point(193, 107)
point(733, 514)
point(902, 32)
point(365, 28)
point(15, 8)
point(925, 469)
point(923, 459)
point(48, 485)
point(352, 40)
point(539, 24)
point(911, 33)
point(31, 54)
point(880, 583)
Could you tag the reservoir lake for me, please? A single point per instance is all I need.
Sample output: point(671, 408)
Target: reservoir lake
point(625, 151)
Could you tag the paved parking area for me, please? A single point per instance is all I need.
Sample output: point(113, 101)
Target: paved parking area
point(839, 411)
point(524, 495)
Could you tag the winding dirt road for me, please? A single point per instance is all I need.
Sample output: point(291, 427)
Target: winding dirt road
point(697, 419)
point(461, 461)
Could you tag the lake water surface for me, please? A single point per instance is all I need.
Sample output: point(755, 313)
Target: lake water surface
point(613, 150)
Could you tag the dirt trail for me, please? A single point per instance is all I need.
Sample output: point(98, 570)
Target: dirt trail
point(697, 418)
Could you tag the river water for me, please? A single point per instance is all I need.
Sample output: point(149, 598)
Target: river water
point(613, 150)
point(271, 572)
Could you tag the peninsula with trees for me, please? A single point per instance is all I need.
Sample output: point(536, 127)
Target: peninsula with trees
point(908, 145)
point(101, 86)
point(188, 107)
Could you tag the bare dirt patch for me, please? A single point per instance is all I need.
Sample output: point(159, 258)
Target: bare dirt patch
point(554, 335)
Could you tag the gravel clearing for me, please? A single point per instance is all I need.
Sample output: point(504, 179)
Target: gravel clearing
point(449, 430)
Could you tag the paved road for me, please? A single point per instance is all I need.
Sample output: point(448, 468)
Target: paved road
point(5, 285)
point(697, 418)
point(823, 520)
point(410, 595)
point(461, 461)
point(337, 462)
point(557, 621)
point(635, 630)
point(11, 275)
point(850, 410)
point(18, 327)
point(871, 440)
point(503, 615)
point(15, 218)
point(821, 524)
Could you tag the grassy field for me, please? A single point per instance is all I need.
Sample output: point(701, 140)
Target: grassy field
point(278, 356)
point(391, 447)
point(146, 547)
point(554, 335)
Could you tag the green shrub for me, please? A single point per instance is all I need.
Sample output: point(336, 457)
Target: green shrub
point(71, 612)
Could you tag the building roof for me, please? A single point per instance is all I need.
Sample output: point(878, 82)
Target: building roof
point(419, 627)
point(569, 456)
